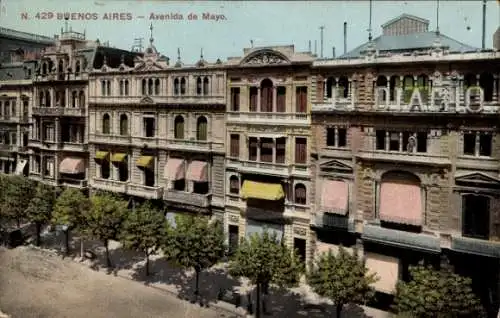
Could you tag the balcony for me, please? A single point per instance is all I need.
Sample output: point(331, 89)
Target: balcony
point(268, 118)
point(73, 146)
point(109, 185)
point(185, 144)
point(140, 190)
point(257, 167)
point(403, 157)
point(150, 142)
point(196, 199)
point(330, 221)
point(45, 144)
point(476, 246)
point(184, 99)
point(58, 111)
point(110, 139)
point(414, 241)
point(9, 148)
point(74, 183)
point(61, 76)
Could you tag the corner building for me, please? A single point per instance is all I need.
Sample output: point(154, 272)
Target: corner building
point(268, 144)
point(407, 158)
point(157, 132)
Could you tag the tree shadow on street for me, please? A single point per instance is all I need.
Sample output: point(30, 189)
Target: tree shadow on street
point(212, 283)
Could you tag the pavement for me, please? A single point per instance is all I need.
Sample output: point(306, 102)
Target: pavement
point(36, 283)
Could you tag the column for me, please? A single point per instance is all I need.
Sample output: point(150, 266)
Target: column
point(258, 149)
point(190, 186)
point(401, 148)
point(325, 90)
point(52, 97)
point(274, 150)
point(336, 96)
point(495, 88)
point(258, 99)
point(275, 97)
point(57, 129)
point(477, 147)
point(387, 140)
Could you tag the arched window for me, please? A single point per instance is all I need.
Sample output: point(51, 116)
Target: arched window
point(73, 99)
point(300, 194)
point(381, 83)
point(60, 68)
point(179, 127)
point(201, 128)
point(157, 86)
point(343, 87)
point(176, 86)
point(331, 85)
point(122, 87)
point(144, 84)
point(183, 86)
point(400, 199)
point(266, 96)
point(41, 99)
point(234, 185)
point(106, 121)
point(108, 86)
point(77, 68)
point(81, 99)
point(150, 86)
point(103, 88)
point(126, 88)
point(198, 86)
point(206, 86)
point(124, 125)
point(394, 84)
point(486, 82)
point(47, 98)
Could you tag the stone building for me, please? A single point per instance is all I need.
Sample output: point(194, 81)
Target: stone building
point(157, 131)
point(408, 158)
point(59, 140)
point(14, 45)
point(268, 140)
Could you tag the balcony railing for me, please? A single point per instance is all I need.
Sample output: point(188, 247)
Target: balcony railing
point(416, 241)
point(268, 118)
point(109, 185)
point(58, 111)
point(74, 182)
point(196, 199)
point(73, 146)
point(396, 156)
point(279, 169)
point(144, 191)
point(333, 221)
point(185, 144)
point(151, 142)
point(110, 139)
point(136, 99)
point(476, 246)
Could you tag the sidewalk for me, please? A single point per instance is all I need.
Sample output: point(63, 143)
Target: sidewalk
point(165, 276)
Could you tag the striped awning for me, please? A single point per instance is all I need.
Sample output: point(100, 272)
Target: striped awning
point(72, 166)
point(145, 161)
point(118, 157)
point(174, 169)
point(197, 171)
point(101, 155)
point(261, 190)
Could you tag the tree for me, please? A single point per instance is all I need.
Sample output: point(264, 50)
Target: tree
point(40, 207)
point(144, 230)
point(437, 293)
point(343, 278)
point(264, 260)
point(195, 243)
point(18, 192)
point(69, 210)
point(104, 219)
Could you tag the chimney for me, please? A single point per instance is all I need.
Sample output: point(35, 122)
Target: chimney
point(496, 39)
point(345, 38)
point(333, 51)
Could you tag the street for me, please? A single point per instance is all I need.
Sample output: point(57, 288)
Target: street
point(38, 284)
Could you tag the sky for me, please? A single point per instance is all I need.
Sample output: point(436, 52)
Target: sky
point(264, 22)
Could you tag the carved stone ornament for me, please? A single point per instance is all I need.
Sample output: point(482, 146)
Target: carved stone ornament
point(234, 219)
point(300, 231)
point(265, 58)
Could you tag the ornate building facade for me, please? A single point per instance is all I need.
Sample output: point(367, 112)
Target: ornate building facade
point(157, 131)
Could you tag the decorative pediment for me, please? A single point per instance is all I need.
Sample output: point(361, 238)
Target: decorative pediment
point(148, 65)
point(335, 165)
point(147, 100)
point(478, 178)
point(266, 57)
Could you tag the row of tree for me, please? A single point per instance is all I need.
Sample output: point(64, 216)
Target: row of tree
point(199, 243)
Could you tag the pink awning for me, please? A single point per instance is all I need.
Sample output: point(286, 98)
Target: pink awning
point(197, 171)
point(335, 197)
point(174, 169)
point(72, 166)
point(401, 202)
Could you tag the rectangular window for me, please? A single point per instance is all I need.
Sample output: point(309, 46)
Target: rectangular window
point(476, 216)
point(301, 99)
point(380, 142)
point(235, 146)
point(330, 137)
point(470, 144)
point(281, 99)
point(149, 127)
point(422, 142)
point(253, 99)
point(103, 88)
point(280, 150)
point(235, 99)
point(300, 150)
point(266, 149)
point(394, 144)
point(252, 148)
point(485, 144)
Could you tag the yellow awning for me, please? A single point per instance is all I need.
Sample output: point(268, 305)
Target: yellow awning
point(261, 190)
point(101, 155)
point(145, 161)
point(118, 157)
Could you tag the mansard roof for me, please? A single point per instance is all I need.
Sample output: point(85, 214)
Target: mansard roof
point(270, 55)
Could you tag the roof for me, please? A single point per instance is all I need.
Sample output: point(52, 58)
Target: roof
point(409, 43)
point(36, 38)
point(15, 71)
point(408, 16)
